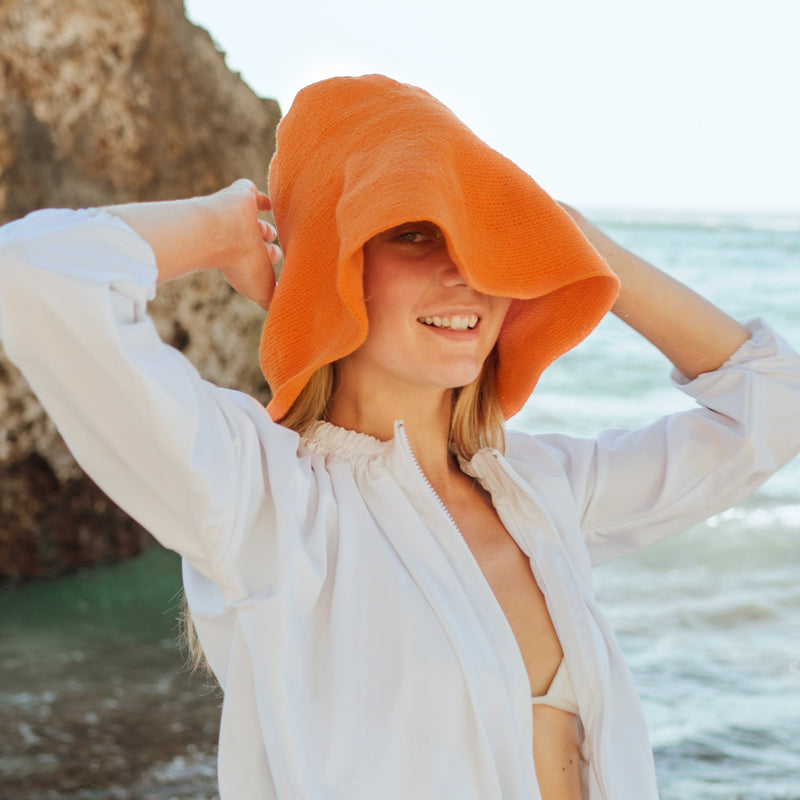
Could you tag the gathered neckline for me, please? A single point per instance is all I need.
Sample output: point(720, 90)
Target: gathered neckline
point(325, 438)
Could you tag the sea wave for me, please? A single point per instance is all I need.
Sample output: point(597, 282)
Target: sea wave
point(718, 221)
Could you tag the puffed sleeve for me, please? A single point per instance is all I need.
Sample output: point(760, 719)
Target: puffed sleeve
point(633, 488)
point(196, 465)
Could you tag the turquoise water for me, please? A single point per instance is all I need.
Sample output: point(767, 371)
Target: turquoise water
point(96, 702)
point(709, 620)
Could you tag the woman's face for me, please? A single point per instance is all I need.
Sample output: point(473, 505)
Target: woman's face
point(428, 328)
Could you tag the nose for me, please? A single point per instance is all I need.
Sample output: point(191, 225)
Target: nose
point(450, 274)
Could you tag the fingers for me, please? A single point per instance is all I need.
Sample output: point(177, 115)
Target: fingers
point(261, 294)
point(262, 201)
point(243, 192)
point(241, 186)
point(244, 187)
point(268, 232)
point(270, 235)
point(254, 278)
point(259, 286)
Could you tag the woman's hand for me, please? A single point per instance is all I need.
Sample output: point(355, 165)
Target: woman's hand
point(691, 332)
point(217, 231)
point(243, 246)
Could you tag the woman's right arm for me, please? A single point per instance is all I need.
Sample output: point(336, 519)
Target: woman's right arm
point(183, 457)
point(218, 231)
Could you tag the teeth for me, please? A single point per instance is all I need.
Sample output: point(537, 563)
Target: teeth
point(454, 323)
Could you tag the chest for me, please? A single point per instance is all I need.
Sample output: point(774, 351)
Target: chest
point(507, 570)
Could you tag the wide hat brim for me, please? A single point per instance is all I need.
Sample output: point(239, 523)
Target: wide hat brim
point(358, 156)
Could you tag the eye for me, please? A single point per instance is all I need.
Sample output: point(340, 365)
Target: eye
point(410, 237)
point(416, 233)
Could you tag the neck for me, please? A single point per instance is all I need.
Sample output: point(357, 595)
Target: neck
point(425, 414)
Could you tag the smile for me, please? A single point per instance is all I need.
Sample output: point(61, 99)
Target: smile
point(455, 323)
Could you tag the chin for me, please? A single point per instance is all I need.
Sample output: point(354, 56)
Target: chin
point(464, 379)
point(451, 376)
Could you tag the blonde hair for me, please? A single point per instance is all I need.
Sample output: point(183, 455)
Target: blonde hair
point(476, 422)
point(189, 641)
point(476, 419)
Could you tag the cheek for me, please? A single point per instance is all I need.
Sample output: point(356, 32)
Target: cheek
point(500, 307)
point(385, 325)
point(380, 289)
point(391, 298)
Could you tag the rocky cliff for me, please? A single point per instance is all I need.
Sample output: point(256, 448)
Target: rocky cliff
point(104, 101)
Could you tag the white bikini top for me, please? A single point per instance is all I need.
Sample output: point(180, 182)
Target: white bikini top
point(561, 693)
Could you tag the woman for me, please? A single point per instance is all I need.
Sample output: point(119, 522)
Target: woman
point(394, 594)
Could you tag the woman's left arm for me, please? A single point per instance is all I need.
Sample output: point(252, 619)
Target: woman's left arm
point(690, 331)
point(633, 488)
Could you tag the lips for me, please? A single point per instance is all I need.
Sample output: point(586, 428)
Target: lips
point(455, 322)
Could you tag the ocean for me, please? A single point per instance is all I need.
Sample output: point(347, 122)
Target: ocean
point(95, 703)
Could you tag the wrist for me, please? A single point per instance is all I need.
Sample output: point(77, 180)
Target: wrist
point(176, 230)
point(205, 240)
point(222, 227)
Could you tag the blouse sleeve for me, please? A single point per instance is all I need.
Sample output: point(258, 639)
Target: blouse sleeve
point(633, 488)
point(183, 457)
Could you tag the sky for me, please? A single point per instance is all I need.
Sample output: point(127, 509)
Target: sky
point(609, 104)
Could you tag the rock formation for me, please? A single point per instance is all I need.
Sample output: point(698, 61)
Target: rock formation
point(104, 101)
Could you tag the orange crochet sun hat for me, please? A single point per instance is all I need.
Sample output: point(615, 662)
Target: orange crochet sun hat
point(357, 156)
